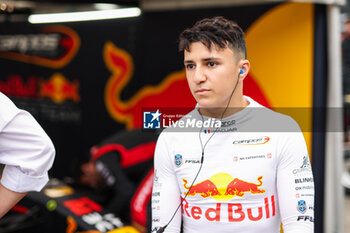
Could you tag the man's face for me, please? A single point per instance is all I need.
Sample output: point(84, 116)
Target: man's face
point(211, 74)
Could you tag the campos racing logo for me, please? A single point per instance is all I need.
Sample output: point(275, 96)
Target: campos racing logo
point(53, 46)
point(255, 141)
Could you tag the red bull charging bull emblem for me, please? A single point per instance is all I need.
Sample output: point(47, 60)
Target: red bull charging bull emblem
point(223, 187)
point(129, 112)
point(59, 89)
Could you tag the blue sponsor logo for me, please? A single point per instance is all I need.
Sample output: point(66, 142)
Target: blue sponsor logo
point(178, 160)
point(302, 206)
point(151, 120)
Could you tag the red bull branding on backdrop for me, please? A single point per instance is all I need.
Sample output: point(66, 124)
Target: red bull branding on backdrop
point(129, 112)
point(50, 97)
point(139, 110)
point(59, 89)
point(55, 99)
point(53, 46)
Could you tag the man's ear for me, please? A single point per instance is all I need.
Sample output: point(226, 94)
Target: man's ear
point(245, 67)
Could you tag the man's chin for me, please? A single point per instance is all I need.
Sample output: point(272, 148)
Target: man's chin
point(205, 104)
point(209, 107)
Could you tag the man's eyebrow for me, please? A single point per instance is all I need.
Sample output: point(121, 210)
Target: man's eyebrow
point(204, 59)
point(188, 61)
point(211, 58)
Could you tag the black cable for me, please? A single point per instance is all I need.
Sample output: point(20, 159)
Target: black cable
point(162, 229)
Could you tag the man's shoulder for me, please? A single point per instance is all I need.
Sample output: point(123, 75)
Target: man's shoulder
point(274, 120)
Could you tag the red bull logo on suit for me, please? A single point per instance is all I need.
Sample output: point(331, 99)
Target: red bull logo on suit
point(223, 187)
point(234, 212)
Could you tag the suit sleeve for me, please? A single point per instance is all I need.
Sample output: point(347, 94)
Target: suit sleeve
point(295, 184)
point(166, 192)
point(25, 149)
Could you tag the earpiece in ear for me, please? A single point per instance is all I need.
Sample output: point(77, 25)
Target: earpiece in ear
point(241, 71)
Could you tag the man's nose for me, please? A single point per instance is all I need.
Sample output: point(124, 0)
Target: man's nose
point(200, 75)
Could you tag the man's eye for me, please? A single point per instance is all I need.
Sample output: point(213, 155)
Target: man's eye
point(212, 64)
point(189, 66)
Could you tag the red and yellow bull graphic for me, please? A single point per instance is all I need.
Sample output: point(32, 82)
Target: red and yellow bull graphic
point(164, 95)
point(54, 99)
point(59, 89)
point(129, 112)
point(223, 187)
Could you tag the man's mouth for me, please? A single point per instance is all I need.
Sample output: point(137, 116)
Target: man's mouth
point(202, 91)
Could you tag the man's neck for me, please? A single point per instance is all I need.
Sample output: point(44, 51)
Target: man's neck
point(224, 112)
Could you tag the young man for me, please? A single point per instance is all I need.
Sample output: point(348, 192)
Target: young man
point(121, 168)
point(243, 175)
point(26, 151)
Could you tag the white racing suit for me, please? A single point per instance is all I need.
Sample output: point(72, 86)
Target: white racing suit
point(255, 174)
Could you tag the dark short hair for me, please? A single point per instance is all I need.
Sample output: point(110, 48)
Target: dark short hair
point(218, 31)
